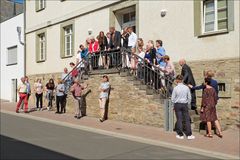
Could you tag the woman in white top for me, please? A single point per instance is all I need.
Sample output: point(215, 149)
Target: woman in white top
point(38, 88)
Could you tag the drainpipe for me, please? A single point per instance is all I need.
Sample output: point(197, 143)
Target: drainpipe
point(24, 33)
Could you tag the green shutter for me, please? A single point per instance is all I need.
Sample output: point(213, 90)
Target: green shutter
point(230, 8)
point(37, 48)
point(197, 17)
point(62, 55)
point(73, 39)
point(36, 5)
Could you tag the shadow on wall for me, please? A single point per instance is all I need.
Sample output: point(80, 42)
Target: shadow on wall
point(84, 103)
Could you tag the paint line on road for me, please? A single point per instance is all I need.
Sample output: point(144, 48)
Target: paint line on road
point(128, 137)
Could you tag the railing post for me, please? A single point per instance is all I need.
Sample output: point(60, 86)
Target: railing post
point(166, 122)
point(171, 116)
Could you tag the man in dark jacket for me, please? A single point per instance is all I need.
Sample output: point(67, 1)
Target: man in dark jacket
point(115, 43)
point(188, 79)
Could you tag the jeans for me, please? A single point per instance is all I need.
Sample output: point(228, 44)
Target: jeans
point(181, 111)
point(50, 98)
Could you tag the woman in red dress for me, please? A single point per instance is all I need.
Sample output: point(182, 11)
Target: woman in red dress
point(208, 109)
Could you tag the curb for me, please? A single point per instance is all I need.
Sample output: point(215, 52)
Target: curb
point(129, 137)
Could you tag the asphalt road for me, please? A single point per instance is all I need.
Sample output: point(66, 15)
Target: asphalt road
point(23, 138)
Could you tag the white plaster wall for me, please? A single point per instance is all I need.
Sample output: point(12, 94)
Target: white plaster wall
point(96, 21)
point(9, 38)
point(176, 30)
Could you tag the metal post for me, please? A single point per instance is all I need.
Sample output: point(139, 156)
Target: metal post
point(170, 116)
point(166, 120)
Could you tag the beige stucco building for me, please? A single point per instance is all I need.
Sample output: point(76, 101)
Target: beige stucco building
point(205, 33)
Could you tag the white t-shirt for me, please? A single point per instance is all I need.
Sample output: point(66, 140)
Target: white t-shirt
point(78, 56)
point(132, 40)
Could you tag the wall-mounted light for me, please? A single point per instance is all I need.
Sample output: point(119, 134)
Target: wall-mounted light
point(90, 31)
point(163, 12)
point(19, 30)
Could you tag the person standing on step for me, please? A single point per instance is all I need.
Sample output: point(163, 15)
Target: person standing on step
point(22, 91)
point(60, 96)
point(38, 87)
point(181, 97)
point(189, 79)
point(76, 90)
point(104, 95)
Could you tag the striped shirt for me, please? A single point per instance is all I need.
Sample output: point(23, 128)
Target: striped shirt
point(181, 94)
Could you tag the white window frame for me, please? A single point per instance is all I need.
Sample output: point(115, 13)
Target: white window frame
point(203, 9)
point(42, 46)
point(66, 35)
point(7, 57)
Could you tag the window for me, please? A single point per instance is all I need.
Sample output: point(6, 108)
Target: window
point(12, 55)
point(129, 20)
point(41, 47)
point(40, 5)
point(67, 39)
point(214, 15)
point(222, 87)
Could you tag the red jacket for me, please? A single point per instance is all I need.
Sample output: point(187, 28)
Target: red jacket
point(93, 47)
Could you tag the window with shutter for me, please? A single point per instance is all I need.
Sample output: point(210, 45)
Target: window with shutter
point(12, 55)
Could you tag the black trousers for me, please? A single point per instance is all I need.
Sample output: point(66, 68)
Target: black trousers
point(193, 102)
point(39, 100)
point(181, 111)
point(60, 102)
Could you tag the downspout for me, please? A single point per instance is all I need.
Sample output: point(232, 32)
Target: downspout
point(24, 28)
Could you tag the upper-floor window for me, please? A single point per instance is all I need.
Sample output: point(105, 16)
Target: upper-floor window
point(12, 55)
point(40, 4)
point(41, 47)
point(214, 15)
point(68, 40)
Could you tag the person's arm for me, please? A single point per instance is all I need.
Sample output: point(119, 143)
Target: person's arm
point(197, 87)
point(189, 96)
point(173, 98)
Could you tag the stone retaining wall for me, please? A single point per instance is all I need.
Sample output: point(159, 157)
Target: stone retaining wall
point(131, 105)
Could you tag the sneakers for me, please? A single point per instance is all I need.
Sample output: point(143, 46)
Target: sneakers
point(179, 137)
point(190, 137)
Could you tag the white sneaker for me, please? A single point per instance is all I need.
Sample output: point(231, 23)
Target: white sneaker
point(179, 137)
point(48, 108)
point(190, 137)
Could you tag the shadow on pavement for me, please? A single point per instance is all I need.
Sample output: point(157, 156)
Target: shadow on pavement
point(14, 149)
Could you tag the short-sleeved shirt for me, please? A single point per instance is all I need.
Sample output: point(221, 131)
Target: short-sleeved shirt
point(104, 86)
point(60, 87)
point(161, 51)
point(77, 90)
point(22, 88)
point(39, 88)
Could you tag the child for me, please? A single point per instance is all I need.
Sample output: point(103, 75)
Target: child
point(104, 88)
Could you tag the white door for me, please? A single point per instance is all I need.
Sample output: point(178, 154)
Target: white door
point(14, 90)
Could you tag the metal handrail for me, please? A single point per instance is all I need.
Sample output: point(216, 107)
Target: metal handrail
point(76, 66)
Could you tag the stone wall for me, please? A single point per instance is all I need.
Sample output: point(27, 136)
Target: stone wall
point(226, 71)
point(129, 104)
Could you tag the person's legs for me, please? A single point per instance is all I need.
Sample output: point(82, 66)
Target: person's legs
point(57, 102)
point(19, 102)
point(218, 126)
point(61, 98)
point(178, 112)
point(188, 131)
point(209, 128)
point(41, 100)
point(193, 102)
point(26, 103)
point(37, 100)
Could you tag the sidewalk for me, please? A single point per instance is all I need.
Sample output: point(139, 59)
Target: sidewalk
point(225, 148)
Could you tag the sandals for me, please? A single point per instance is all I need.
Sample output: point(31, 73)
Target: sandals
point(219, 135)
point(208, 135)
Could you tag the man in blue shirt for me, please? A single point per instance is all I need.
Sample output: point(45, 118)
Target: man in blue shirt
point(160, 53)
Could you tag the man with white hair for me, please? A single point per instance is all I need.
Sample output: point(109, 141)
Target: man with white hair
point(188, 79)
point(23, 96)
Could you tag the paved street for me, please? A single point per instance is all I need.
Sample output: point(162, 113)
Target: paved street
point(23, 138)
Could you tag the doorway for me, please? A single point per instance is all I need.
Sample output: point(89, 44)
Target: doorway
point(14, 90)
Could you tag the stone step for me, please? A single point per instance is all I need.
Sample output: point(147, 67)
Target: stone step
point(136, 82)
point(123, 74)
point(149, 91)
point(142, 87)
